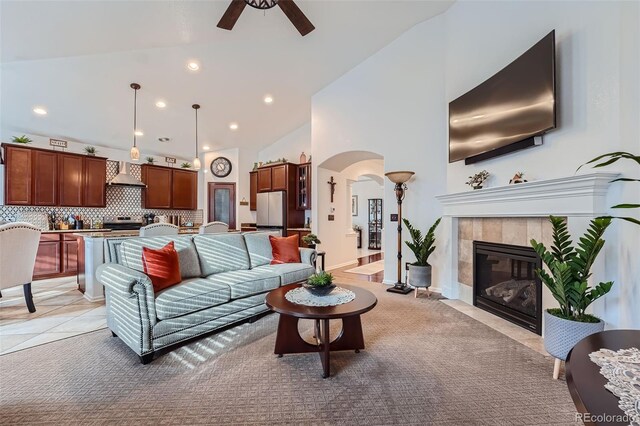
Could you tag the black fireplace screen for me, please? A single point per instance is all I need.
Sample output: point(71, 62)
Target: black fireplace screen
point(505, 284)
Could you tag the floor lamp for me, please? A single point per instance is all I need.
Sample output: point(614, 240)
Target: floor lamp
point(400, 179)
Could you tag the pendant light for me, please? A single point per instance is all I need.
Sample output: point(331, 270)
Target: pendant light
point(135, 152)
point(196, 160)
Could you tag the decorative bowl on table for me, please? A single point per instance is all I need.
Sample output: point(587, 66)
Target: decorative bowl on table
point(320, 284)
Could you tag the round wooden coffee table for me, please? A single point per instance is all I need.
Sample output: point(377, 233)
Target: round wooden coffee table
point(288, 340)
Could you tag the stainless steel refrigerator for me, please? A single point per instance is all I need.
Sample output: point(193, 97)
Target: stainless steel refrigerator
point(271, 211)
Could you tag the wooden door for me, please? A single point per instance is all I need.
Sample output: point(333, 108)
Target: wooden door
point(157, 194)
point(185, 190)
point(70, 256)
point(253, 191)
point(279, 178)
point(95, 180)
point(18, 176)
point(264, 179)
point(222, 203)
point(70, 180)
point(45, 178)
point(48, 257)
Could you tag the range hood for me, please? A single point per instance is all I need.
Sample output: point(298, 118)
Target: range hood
point(124, 178)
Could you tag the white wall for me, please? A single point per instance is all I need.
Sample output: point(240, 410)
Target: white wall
point(366, 189)
point(392, 105)
point(289, 146)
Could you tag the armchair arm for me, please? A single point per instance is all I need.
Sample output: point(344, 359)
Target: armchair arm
point(131, 311)
point(308, 256)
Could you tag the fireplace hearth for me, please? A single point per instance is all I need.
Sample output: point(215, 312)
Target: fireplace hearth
point(505, 283)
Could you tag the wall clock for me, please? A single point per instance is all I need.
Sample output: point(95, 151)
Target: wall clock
point(221, 167)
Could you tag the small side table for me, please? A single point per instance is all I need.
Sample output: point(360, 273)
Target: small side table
point(321, 255)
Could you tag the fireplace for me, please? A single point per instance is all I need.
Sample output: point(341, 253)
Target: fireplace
point(505, 283)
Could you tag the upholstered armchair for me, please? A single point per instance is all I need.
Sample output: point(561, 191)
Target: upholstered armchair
point(18, 248)
point(156, 229)
point(214, 228)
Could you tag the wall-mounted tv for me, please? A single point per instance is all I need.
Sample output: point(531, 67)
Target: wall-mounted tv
point(507, 111)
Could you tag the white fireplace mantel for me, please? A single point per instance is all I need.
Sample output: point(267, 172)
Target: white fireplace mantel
point(580, 195)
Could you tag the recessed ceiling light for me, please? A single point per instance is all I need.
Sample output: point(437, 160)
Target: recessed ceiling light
point(40, 111)
point(268, 99)
point(164, 139)
point(138, 133)
point(161, 104)
point(193, 66)
point(233, 126)
point(206, 148)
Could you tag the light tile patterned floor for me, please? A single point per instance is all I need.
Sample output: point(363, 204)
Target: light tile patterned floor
point(61, 312)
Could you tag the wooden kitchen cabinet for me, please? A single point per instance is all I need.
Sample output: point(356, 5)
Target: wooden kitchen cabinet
point(18, 175)
point(253, 190)
point(303, 187)
point(95, 172)
point(45, 178)
point(157, 194)
point(70, 180)
point(70, 256)
point(279, 177)
point(169, 188)
point(48, 258)
point(301, 233)
point(264, 179)
point(184, 190)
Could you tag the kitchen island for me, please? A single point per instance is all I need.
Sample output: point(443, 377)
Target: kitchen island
point(94, 250)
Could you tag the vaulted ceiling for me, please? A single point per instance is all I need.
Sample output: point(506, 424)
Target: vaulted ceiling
point(77, 59)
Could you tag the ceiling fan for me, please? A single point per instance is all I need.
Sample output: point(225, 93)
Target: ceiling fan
point(293, 12)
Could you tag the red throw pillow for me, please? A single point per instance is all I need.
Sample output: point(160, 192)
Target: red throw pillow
point(285, 249)
point(162, 266)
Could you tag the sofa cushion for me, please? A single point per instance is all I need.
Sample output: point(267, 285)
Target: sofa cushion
point(248, 282)
point(289, 272)
point(131, 253)
point(162, 266)
point(259, 247)
point(285, 249)
point(190, 296)
point(221, 253)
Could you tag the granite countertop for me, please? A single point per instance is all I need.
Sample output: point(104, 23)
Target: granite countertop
point(124, 234)
point(74, 231)
point(299, 229)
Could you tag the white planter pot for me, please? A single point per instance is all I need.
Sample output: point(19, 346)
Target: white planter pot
point(420, 276)
point(561, 335)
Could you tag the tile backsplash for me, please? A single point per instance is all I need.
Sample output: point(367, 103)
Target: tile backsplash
point(121, 201)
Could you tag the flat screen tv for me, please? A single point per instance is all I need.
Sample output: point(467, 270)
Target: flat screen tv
point(507, 111)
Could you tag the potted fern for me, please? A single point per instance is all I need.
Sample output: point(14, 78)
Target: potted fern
point(569, 268)
point(422, 247)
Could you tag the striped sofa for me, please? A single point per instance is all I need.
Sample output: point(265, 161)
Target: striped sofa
point(225, 278)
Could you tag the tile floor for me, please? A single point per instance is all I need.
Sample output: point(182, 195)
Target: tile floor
point(61, 312)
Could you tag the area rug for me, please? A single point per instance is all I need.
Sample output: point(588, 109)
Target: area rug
point(368, 269)
point(424, 363)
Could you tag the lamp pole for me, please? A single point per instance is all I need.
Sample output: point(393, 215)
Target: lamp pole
point(399, 178)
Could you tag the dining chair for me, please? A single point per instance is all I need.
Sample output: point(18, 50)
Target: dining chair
point(156, 229)
point(214, 228)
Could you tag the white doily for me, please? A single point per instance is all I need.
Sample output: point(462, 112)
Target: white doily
point(301, 296)
point(622, 370)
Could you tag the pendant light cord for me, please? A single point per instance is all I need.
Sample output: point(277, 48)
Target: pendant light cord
point(196, 133)
point(135, 110)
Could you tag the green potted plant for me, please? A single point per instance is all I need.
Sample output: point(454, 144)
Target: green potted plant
point(569, 268)
point(422, 247)
point(21, 139)
point(477, 181)
point(311, 240)
point(90, 150)
point(186, 165)
point(320, 283)
point(150, 160)
point(609, 158)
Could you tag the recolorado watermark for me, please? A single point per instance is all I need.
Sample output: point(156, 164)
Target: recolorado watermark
point(602, 418)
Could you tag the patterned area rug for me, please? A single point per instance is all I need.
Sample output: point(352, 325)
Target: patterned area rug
point(425, 363)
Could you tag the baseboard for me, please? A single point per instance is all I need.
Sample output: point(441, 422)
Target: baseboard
point(93, 299)
point(465, 293)
point(342, 265)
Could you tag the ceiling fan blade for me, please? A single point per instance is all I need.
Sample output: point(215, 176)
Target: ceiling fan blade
point(232, 14)
point(295, 15)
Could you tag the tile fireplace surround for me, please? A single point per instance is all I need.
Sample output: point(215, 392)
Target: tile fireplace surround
point(514, 214)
